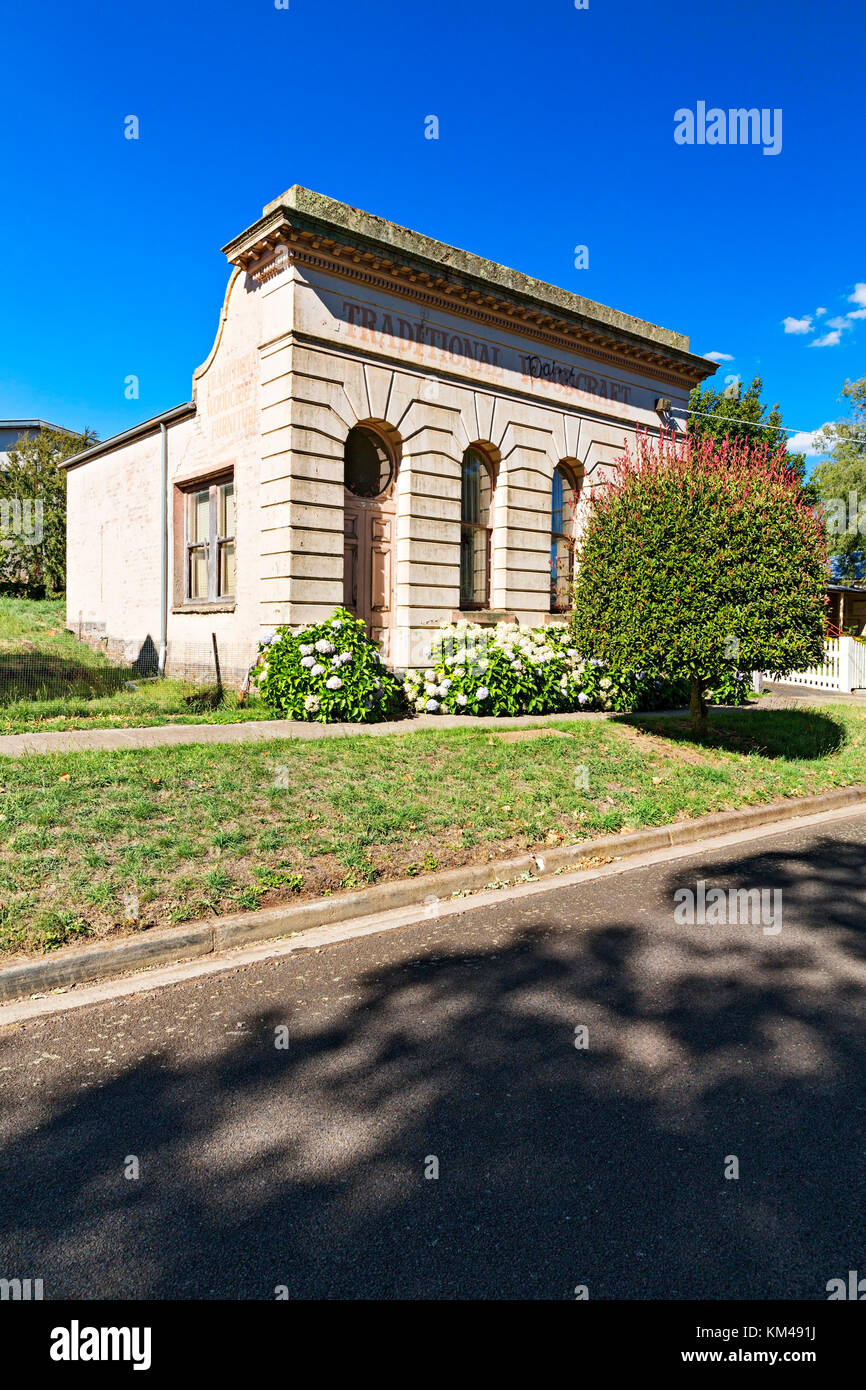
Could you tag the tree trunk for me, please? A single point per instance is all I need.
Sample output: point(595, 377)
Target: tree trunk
point(697, 706)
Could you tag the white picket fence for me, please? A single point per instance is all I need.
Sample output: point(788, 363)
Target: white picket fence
point(843, 668)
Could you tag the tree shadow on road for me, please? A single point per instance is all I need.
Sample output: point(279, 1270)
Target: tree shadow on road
point(558, 1165)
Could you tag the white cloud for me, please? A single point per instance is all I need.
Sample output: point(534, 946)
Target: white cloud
point(804, 443)
point(819, 312)
point(829, 339)
point(859, 295)
point(839, 323)
point(856, 314)
point(798, 325)
point(718, 357)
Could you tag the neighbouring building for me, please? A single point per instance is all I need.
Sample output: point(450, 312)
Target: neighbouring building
point(383, 421)
point(12, 431)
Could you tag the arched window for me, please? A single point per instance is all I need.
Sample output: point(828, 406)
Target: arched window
point(475, 499)
point(369, 463)
point(562, 539)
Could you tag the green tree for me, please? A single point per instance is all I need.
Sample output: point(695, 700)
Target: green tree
point(33, 511)
point(747, 419)
point(840, 482)
point(699, 558)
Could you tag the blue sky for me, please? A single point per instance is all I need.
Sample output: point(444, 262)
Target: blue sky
point(556, 129)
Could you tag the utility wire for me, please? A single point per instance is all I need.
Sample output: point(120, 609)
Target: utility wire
point(764, 425)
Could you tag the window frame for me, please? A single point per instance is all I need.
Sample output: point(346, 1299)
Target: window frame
point(213, 545)
point(569, 478)
point(472, 605)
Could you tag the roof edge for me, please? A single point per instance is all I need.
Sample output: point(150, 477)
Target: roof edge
point(302, 205)
point(107, 446)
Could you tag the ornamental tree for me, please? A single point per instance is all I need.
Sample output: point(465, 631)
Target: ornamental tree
point(700, 556)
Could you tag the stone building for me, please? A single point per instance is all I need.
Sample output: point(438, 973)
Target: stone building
point(383, 421)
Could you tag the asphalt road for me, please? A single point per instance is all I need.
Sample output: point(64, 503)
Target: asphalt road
point(304, 1167)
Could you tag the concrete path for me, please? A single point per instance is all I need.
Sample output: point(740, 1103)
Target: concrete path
point(257, 731)
point(285, 1115)
point(804, 694)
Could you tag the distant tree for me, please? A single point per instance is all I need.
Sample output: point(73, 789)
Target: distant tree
point(697, 559)
point(840, 482)
point(33, 511)
point(748, 419)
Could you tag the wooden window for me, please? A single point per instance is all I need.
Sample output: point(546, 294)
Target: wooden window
point(562, 540)
point(209, 542)
point(475, 508)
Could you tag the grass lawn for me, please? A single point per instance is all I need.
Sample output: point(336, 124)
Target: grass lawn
point(50, 680)
point(101, 843)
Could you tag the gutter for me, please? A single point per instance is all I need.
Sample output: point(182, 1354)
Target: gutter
point(106, 446)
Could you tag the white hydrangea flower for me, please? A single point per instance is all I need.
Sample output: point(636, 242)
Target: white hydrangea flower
point(324, 646)
point(306, 649)
point(444, 687)
point(431, 706)
point(311, 704)
point(430, 674)
point(336, 624)
point(307, 661)
point(462, 699)
point(430, 688)
point(583, 698)
point(334, 683)
point(316, 670)
point(345, 658)
point(482, 692)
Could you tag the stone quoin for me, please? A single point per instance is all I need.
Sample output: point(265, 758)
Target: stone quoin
point(383, 421)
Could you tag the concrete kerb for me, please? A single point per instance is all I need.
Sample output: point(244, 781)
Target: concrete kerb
point(176, 944)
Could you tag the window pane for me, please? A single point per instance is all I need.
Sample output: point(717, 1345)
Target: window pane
point(368, 465)
point(556, 510)
point(198, 573)
point(562, 505)
point(473, 565)
point(227, 568)
point(227, 509)
point(475, 491)
point(199, 516)
point(560, 575)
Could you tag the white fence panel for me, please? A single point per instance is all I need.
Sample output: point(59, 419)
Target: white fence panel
point(826, 676)
point(858, 665)
point(843, 668)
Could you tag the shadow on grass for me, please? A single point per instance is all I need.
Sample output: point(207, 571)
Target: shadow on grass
point(37, 676)
point(792, 734)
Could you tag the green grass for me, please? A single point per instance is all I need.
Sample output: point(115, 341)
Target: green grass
point(50, 680)
point(94, 843)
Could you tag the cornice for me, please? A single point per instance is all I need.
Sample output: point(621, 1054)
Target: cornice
point(275, 242)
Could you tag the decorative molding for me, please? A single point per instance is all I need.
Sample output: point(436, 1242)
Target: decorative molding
point(269, 255)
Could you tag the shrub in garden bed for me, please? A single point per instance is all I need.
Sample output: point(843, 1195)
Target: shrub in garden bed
point(330, 672)
point(509, 670)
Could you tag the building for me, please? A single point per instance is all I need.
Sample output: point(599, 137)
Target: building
point(846, 608)
point(383, 421)
point(11, 431)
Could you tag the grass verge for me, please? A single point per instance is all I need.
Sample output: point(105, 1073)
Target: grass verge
point(101, 843)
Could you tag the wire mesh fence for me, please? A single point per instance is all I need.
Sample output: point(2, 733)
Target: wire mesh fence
point(72, 669)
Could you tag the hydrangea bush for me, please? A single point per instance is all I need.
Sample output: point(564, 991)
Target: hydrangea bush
point(330, 672)
point(509, 670)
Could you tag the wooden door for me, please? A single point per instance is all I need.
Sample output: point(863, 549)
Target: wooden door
point(368, 550)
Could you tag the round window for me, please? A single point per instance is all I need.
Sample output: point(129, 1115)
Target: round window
point(369, 465)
